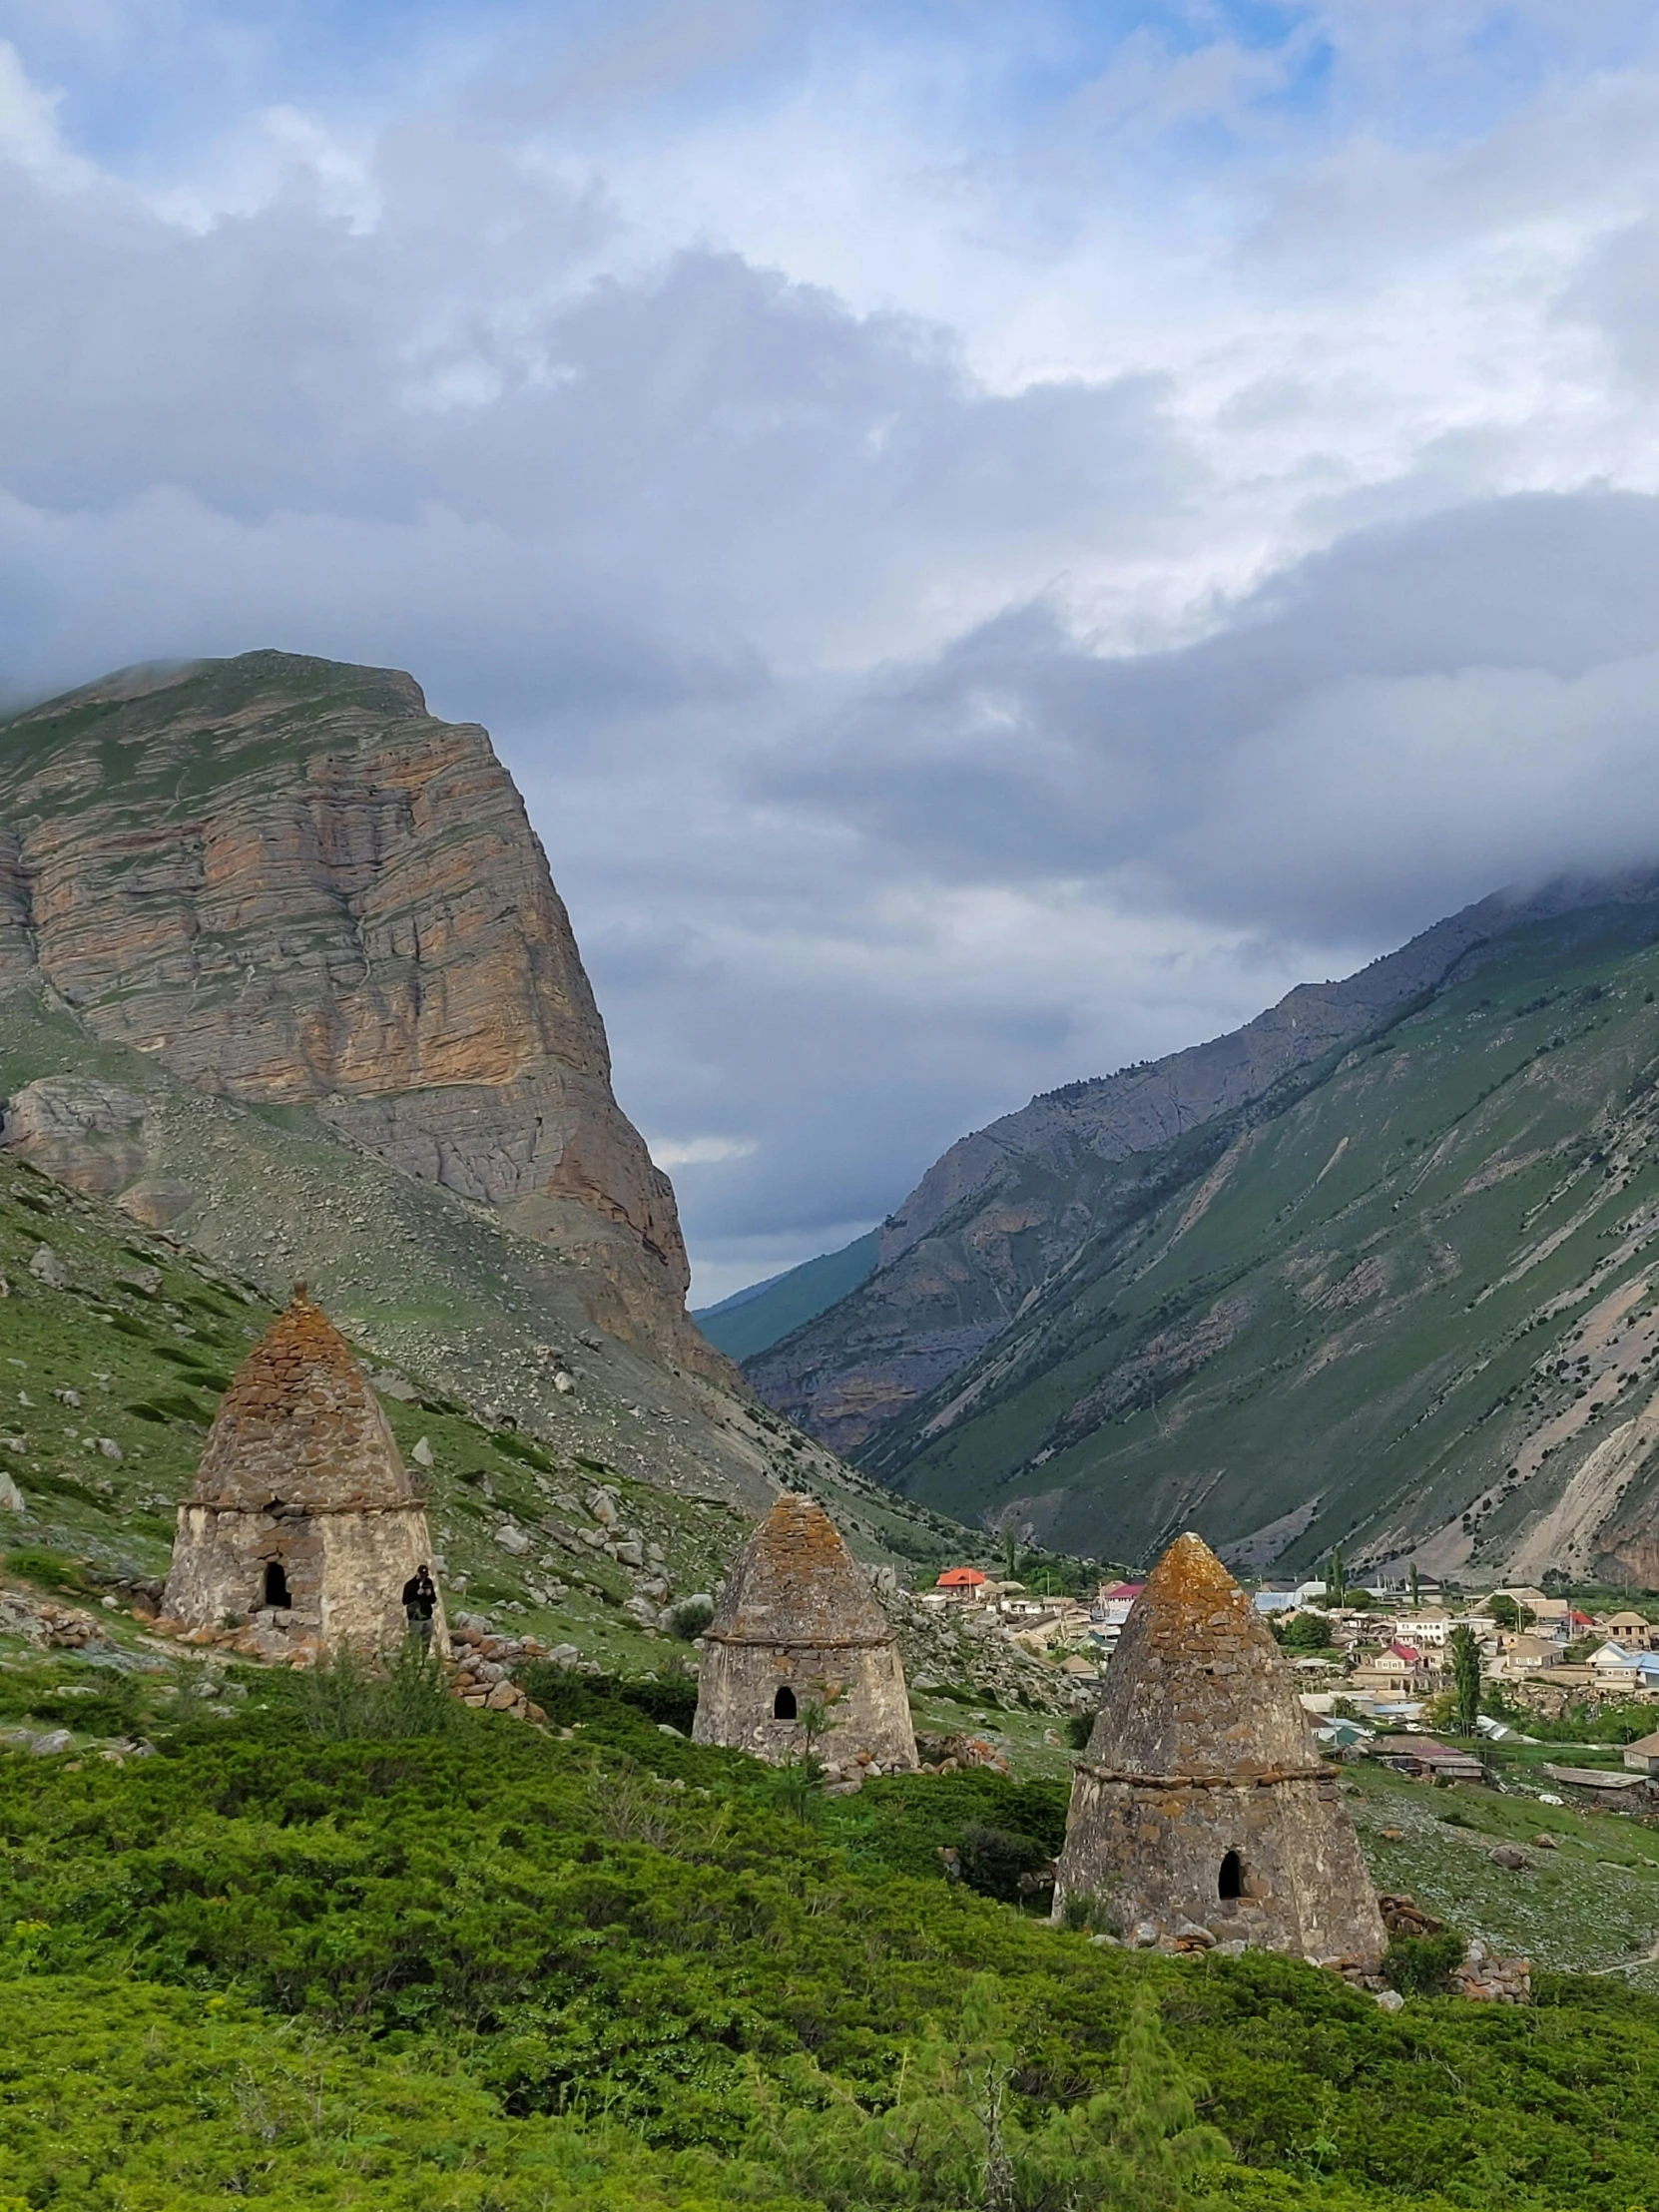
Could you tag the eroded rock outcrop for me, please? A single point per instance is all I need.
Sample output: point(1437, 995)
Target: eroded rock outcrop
point(287, 882)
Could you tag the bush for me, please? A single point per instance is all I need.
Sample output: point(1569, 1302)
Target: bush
point(993, 1860)
point(354, 1700)
point(689, 1617)
point(1422, 1965)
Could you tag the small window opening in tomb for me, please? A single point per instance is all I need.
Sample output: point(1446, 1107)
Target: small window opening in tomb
point(276, 1584)
point(1231, 1883)
point(782, 1705)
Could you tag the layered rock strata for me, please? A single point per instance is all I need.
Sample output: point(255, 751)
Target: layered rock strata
point(287, 882)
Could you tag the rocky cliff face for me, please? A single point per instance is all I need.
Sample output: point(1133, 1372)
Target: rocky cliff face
point(1003, 1216)
point(287, 882)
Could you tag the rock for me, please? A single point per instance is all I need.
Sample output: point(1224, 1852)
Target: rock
point(564, 1382)
point(1508, 1856)
point(503, 1697)
point(629, 1555)
point(81, 1131)
point(1390, 2000)
point(1144, 1935)
point(111, 1450)
point(11, 1498)
point(564, 1655)
point(513, 1540)
point(602, 1504)
point(68, 1397)
point(47, 1267)
point(1188, 1936)
point(48, 1747)
point(1544, 1842)
point(1391, 1834)
point(422, 1454)
point(641, 1610)
point(388, 1384)
point(663, 1728)
point(432, 1011)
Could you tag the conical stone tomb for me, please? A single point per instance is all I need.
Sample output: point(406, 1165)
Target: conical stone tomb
point(1199, 1799)
point(798, 1636)
point(303, 1523)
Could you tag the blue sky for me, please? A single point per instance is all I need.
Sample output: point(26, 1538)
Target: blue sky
point(994, 538)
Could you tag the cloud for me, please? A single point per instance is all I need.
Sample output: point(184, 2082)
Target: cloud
point(993, 543)
point(701, 1152)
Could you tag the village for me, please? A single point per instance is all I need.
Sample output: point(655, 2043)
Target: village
point(1373, 1664)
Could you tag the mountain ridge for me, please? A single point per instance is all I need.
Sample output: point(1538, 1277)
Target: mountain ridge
point(1005, 1208)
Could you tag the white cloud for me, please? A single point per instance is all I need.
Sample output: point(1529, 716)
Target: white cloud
point(978, 583)
point(701, 1152)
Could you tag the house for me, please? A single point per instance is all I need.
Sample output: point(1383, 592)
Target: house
point(1113, 1600)
point(1608, 1783)
point(1426, 1759)
point(1392, 1673)
point(1631, 1630)
point(1523, 1653)
point(962, 1584)
point(1428, 1629)
point(1643, 1757)
point(1614, 1669)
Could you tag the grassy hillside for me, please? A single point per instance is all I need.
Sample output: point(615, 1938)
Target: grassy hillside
point(1412, 1306)
point(741, 1326)
point(428, 1285)
point(485, 1969)
point(109, 1378)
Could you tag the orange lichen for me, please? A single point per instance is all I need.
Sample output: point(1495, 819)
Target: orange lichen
point(796, 1582)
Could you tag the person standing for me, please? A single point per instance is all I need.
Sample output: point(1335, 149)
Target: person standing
point(420, 1602)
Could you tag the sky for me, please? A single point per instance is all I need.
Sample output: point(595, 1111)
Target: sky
point(995, 536)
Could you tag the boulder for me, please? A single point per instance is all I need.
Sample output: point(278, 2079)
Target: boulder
point(47, 1267)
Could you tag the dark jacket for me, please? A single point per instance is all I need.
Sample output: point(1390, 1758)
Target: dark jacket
point(419, 1597)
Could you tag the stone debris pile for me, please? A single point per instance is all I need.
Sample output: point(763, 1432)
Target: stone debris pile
point(483, 1667)
point(954, 1754)
point(1486, 1980)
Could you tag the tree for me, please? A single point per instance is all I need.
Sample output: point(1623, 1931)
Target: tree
point(1510, 1613)
point(1466, 1681)
point(1417, 1598)
point(953, 2136)
point(1303, 1632)
point(1335, 1577)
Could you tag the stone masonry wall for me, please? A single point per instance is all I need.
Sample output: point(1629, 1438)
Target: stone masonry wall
point(737, 1684)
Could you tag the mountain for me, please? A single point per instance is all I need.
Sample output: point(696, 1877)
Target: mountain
point(751, 1319)
point(285, 883)
point(1374, 1272)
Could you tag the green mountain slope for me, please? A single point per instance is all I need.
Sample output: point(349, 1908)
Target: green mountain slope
point(1410, 1308)
point(143, 1332)
point(743, 1326)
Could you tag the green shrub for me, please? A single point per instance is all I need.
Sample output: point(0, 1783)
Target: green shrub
point(691, 1617)
point(350, 1699)
point(994, 1860)
point(1422, 1965)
